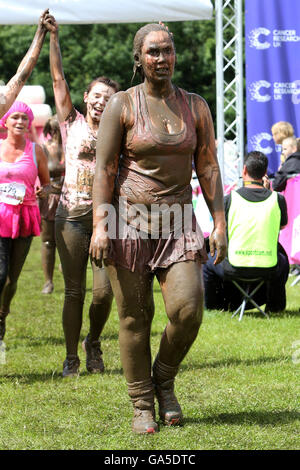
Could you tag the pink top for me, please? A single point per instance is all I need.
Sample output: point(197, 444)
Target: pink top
point(20, 220)
point(23, 170)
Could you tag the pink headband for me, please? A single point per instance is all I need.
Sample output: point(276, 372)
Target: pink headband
point(18, 107)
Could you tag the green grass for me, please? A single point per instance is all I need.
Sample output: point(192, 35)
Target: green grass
point(238, 386)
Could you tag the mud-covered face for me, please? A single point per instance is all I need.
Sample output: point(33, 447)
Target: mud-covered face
point(17, 122)
point(97, 99)
point(158, 56)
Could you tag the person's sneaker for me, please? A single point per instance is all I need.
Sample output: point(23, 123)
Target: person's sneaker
point(71, 366)
point(48, 288)
point(94, 361)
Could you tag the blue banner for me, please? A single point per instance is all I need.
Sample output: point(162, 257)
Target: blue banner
point(272, 37)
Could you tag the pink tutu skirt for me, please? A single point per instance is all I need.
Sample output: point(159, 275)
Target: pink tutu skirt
point(19, 221)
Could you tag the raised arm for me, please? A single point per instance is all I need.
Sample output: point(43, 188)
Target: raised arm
point(108, 151)
point(208, 172)
point(62, 95)
point(25, 68)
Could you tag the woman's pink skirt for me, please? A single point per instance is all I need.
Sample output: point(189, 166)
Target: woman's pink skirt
point(19, 221)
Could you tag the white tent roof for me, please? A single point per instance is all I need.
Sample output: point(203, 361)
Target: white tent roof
point(105, 11)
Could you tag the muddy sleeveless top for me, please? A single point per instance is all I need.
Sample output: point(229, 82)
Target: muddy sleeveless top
point(155, 169)
point(150, 155)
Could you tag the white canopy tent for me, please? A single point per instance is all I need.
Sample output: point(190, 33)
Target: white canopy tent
point(103, 11)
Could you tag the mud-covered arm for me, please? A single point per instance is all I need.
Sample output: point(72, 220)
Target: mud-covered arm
point(62, 95)
point(109, 142)
point(15, 84)
point(209, 176)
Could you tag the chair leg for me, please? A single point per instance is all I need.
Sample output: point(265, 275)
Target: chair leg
point(258, 307)
point(253, 301)
point(242, 309)
point(243, 304)
point(295, 281)
point(237, 311)
point(248, 297)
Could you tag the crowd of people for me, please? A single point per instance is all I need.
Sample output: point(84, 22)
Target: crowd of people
point(100, 176)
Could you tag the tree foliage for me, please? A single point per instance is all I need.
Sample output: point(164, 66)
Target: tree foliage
point(106, 49)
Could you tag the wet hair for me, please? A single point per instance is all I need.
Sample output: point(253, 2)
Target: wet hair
point(284, 128)
point(52, 128)
point(107, 81)
point(138, 44)
point(257, 164)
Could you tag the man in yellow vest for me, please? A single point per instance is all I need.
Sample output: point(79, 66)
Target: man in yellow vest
point(254, 217)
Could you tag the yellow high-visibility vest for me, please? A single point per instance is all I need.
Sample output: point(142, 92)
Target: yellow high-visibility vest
point(253, 229)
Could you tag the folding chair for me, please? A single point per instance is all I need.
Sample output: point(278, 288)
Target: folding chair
point(295, 281)
point(296, 274)
point(247, 294)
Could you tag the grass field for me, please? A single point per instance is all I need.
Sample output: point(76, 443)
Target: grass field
point(238, 386)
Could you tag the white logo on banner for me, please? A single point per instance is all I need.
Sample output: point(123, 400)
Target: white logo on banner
point(254, 38)
point(285, 35)
point(279, 37)
point(295, 98)
point(287, 88)
point(257, 139)
point(279, 90)
point(254, 90)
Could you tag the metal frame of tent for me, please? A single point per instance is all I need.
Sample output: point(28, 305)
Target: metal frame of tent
point(229, 62)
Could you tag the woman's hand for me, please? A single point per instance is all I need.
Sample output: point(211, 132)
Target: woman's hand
point(218, 242)
point(43, 191)
point(41, 25)
point(49, 22)
point(99, 247)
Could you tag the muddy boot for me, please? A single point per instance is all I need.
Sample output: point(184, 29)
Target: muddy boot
point(169, 409)
point(142, 397)
point(3, 316)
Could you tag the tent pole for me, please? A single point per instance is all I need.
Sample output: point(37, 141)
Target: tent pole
point(240, 83)
point(219, 85)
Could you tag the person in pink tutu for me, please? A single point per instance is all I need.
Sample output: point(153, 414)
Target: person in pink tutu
point(21, 162)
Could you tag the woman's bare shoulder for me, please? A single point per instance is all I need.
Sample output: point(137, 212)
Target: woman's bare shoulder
point(196, 99)
point(121, 103)
point(198, 106)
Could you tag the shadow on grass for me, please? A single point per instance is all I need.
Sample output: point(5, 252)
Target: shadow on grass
point(41, 341)
point(54, 376)
point(60, 341)
point(272, 316)
point(233, 362)
point(262, 417)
